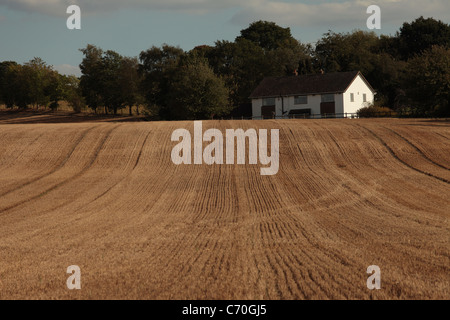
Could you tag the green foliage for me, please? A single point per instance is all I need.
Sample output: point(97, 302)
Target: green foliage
point(54, 90)
point(267, 35)
point(40, 77)
point(129, 80)
point(24, 85)
point(108, 79)
point(196, 92)
point(242, 64)
point(37, 84)
point(375, 111)
point(181, 85)
point(337, 52)
point(157, 68)
point(428, 80)
point(420, 35)
point(7, 81)
point(91, 76)
point(110, 87)
point(72, 92)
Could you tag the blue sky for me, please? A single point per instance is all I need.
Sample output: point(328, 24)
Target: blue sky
point(37, 28)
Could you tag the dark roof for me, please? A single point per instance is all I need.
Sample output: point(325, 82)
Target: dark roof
point(306, 84)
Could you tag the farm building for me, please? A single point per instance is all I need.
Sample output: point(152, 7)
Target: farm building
point(331, 94)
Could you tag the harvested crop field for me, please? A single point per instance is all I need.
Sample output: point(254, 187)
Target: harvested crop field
point(106, 197)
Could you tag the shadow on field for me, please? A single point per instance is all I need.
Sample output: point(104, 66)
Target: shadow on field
point(33, 117)
point(429, 123)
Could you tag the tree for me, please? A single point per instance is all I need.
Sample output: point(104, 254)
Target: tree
point(197, 93)
point(386, 77)
point(290, 57)
point(39, 76)
point(428, 80)
point(340, 52)
point(306, 61)
point(110, 85)
point(19, 81)
point(90, 83)
point(157, 68)
point(242, 64)
point(55, 89)
point(420, 35)
point(72, 92)
point(6, 83)
point(224, 60)
point(129, 82)
point(109, 79)
point(267, 35)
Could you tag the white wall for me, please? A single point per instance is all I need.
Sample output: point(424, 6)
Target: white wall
point(313, 104)
point(256, 107)
point(358, 88)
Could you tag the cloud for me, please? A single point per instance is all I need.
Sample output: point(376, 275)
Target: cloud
point(67, 69)
point(339, 13)
point(58, 7)
point(297, 14)
point(285, 12)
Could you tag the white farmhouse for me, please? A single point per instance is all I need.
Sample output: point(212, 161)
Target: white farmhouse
point(331, 94)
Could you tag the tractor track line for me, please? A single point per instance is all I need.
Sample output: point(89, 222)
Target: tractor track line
point(105, 192)
point(392, 152)
point(58, 167)
point(417, 149)
point(77, 175)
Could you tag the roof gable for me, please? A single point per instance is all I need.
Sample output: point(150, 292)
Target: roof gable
point(363, 79)
point(337, 82)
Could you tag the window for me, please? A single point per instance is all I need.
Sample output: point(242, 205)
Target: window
point(301, 100)
point(268, 102)
point(328, 98)
point(364, 97)
point(352, 97)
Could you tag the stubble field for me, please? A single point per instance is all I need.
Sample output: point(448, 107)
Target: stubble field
point(106, 196)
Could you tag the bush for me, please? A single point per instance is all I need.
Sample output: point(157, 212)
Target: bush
point(375, 111)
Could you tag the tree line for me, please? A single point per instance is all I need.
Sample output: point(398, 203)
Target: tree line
point(410, 72)
point(35, 84)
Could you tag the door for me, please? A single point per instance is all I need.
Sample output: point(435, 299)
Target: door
point(327, 108)
point(268, 112)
